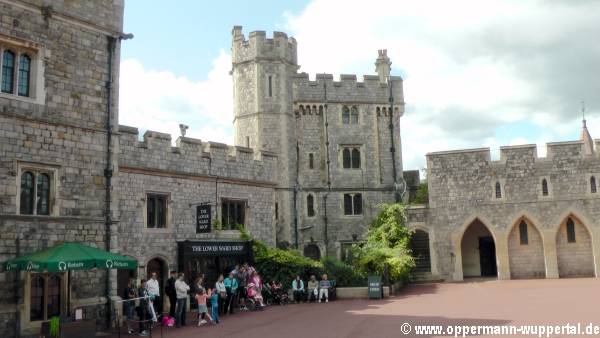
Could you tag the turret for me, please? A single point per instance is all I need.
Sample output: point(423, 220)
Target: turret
point(383, 66)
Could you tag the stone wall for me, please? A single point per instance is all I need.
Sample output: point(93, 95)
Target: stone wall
point(462, 191)
point(59, 129)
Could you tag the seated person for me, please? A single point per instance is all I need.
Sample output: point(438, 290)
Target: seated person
point(324, 286)
point(298, 287)
point(313, 288)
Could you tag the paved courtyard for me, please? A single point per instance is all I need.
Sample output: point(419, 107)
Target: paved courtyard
point(515, 302)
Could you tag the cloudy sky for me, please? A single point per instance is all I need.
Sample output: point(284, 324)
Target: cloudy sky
point(476, 73)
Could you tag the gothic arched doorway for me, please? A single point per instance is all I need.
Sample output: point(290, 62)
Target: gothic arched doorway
point(158, 266)
point(419, 244)
point(312, 251)
point(478, 251)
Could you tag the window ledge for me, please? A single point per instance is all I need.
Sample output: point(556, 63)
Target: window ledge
point(354, 216)
point(159, 230)
point(51, 217)
point(27, 99)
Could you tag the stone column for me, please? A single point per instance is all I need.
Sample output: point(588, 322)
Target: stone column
point(595, 250)
point(550, 254)
point(502, 256)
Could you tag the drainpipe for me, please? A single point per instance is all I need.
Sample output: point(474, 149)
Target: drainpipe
point(296, 188)
point(325, 219)
point(392, 148)
point(108, 171)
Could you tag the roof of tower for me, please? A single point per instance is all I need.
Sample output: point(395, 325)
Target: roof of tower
point(585, 136)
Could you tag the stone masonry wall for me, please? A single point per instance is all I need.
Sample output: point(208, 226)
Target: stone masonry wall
point(60, 129)
point(461, 190)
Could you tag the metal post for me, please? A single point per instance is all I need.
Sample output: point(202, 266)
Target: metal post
point(392, 149)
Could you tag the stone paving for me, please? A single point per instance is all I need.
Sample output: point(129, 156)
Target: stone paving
point(476, 302)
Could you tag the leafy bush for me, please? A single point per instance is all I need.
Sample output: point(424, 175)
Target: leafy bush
point(343, 274)
point(422, 195)
point(386, 250)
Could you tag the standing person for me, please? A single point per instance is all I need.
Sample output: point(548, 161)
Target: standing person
point(221, 293)
point(298, 287)
point(242, 282)
point(182, 293)
point(324, 286)
point(313, 288)
point(171, 293)
point(143, 311)
point(154, 290)
point(255, 285)
point(231, 286)
point(129, 305)
point(201, 298)
point(215, 304)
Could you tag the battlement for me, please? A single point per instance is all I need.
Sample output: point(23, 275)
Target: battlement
point(555, 152)
point(347, 89)
point(192, 156)
point(258, 46)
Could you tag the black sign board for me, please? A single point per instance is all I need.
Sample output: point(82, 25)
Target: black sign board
point(203, 218)
point(214, 248)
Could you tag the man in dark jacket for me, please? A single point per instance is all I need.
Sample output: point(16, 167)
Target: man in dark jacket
point(171, 293)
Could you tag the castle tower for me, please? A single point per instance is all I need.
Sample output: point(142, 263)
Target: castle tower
point(262, 70)
point(383, 66)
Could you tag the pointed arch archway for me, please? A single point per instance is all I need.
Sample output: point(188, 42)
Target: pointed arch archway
point(574, 248)
point(526, 249)
point(478, 250)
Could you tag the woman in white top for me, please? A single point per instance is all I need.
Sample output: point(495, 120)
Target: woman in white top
point(222, 291)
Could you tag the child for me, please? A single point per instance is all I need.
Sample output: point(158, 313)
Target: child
point(202, 309)
point(214, 306)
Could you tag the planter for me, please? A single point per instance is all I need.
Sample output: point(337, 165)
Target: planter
point(361, 292)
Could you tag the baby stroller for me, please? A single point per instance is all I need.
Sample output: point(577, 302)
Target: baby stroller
point(279, 296)
point(254, 298)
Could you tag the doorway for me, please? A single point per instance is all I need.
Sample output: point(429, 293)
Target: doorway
point(487, 256)
point(160, 267)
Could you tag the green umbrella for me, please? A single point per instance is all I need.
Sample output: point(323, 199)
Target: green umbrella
point(70, 256)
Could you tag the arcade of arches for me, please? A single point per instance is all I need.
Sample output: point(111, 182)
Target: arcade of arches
point(521, 251)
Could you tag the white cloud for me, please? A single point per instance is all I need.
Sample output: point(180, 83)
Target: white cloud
point(159, 100)
point(469, 66)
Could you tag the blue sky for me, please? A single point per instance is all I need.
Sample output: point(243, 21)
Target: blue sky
point(187, 36)
point(477, 74)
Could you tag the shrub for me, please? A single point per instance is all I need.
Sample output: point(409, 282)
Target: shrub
point(343, 274)
point(422, 195)
point(386, 251)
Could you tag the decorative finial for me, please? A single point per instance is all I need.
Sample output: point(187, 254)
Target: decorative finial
point(583, 112)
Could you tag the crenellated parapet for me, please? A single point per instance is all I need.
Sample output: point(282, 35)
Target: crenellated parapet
point(348, 89)
point(470, 175)
point(258, 46)
point(194, 157)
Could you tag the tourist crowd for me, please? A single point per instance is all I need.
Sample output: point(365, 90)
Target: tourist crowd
point(242, 289)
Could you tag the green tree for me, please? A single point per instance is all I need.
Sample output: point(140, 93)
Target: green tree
point(386, 249)
point(422, 195)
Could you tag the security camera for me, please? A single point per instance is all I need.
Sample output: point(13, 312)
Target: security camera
point(182, 129)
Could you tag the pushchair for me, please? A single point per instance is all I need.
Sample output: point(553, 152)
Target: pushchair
point(279, 296)
point(253, 299)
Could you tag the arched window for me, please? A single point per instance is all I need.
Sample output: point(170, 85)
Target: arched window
point(310, 206)
point(357, 201)
point(352, 204)
point(523, 233)
point(354, 115)
point(346, 158)
point(498, 190)
point(345, 115)
point(53, 299)
point(570, 230)
point(27, 191)
point(355, 158)
point(24, 71)
point(593, 185)
point(8, 72)
point(308, 110)
point(378, 110)
point(36, 298)
point(314, 110)
point(302, 109)
point(320, 110)
point(544, 187)
point(43, 194)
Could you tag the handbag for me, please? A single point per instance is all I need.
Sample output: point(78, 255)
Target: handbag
point(223, 294)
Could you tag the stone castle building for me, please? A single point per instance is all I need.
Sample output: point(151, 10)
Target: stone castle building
point(311, 161)
point(333, 138)
point(522, 216)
